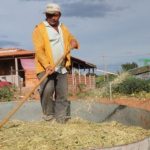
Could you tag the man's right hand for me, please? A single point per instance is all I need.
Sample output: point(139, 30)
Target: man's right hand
point(50, 69)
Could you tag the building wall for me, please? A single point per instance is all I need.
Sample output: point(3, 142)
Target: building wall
point(30, 79)
point(79, 83)
point(10, 78)
point(145, 76)
point(75, 82)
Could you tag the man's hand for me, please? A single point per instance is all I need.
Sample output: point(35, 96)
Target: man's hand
point(50, 69)
point(73, 44)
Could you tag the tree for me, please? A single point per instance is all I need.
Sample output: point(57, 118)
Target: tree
point(128, 66)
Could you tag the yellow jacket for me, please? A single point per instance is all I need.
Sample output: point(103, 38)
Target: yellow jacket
point(42, 46)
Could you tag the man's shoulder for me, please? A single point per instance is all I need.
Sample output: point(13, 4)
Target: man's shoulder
point(40, 25)
point(64, 26)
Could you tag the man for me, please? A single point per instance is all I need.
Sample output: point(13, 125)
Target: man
point(51, 41)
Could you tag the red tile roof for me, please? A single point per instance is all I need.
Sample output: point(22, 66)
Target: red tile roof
point(5, 52)
point(11, 52)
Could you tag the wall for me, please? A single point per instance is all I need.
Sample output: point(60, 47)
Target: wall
point(145, 76)
point(30, 78)
point(75, 82)
point(78, 83)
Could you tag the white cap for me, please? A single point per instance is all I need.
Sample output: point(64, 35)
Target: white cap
point(51, 8)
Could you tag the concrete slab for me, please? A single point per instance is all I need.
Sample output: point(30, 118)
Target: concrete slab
point(99, 112)
point(92, 111)
point(132, 116)
point(141, 145)
point(30, 111)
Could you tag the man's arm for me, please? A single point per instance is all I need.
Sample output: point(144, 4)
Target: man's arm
point(71, 39)
point(73, 42)
point(39, 48)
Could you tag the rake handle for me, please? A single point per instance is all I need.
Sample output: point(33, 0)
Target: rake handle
point(13, 111)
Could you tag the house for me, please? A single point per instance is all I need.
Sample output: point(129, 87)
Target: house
point(17, 67)
point(141, 72)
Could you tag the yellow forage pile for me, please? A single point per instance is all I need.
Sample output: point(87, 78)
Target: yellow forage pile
point(77, 134)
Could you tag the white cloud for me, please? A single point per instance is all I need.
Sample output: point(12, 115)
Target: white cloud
point(84, 8)
point(113, 29)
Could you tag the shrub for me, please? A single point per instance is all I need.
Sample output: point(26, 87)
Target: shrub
point(6, 94)
point(100, 82)
point(132, 85)
point(81, 87)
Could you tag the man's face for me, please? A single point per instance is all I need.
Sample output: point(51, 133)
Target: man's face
point(53, 19)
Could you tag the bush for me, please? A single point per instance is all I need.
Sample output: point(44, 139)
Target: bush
point(132, 85)
point(6, 94)
point(81, 87)
point(100, 80)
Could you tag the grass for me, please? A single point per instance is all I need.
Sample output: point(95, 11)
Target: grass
point(105, 91)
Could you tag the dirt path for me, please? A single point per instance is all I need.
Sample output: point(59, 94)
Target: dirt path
point(131, 102)
point(142, 104)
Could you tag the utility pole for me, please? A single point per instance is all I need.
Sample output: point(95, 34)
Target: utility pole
point(105, 66)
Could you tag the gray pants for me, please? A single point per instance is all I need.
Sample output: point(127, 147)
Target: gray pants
point(53, 93)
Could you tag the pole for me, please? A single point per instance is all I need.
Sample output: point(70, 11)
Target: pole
point(104, 67)
point(110, 91)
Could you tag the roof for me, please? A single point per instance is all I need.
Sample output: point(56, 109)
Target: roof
point(82, 63)
point(11, 52)
point(16, 52)
point(140, 70)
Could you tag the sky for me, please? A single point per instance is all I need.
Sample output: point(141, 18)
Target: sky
point(110, 32)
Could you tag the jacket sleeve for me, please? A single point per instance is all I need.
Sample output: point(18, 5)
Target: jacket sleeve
point(38, 43)
point(68, 37)
point(71, 37)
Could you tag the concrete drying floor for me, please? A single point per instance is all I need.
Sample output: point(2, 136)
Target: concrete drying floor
point(92, 111)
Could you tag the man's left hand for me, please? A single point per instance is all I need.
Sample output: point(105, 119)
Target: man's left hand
point(73, 44)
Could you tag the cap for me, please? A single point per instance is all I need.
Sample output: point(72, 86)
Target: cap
point(51, 8)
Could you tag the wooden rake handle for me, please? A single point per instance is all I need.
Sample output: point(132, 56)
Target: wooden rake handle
point(13, 111)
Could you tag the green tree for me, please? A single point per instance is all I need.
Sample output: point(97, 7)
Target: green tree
point(128, 66)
